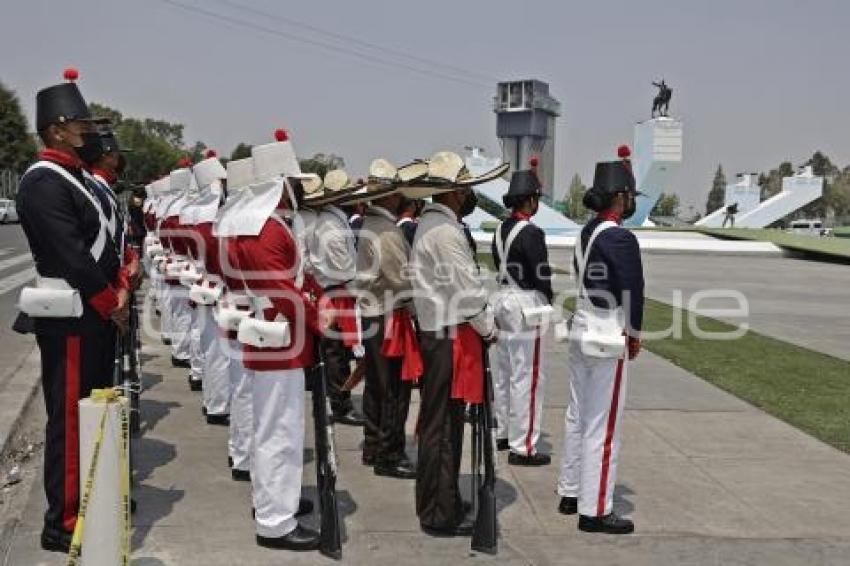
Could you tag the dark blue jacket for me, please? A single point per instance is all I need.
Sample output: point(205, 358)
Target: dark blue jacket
point(61, 225)
point(528, 260)
point(614, 269)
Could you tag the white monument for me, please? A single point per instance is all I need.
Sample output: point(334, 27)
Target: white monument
point(657, 153)
point(797, 191)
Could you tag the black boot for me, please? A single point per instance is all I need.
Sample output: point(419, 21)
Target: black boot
point(240, 475)
point(502, 445)
point(350, 417)
point(222, 420)
point(178, 363)
point(299, 539)
point(402, 469)
point(55, 541)
point(610, 524)
point(568, 506)
point(533, 460)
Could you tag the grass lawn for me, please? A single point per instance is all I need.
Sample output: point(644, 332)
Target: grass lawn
point(839, 247)
point(806, 389)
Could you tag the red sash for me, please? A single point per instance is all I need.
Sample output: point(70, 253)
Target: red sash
point(400, 342)
point(468, 365)
point(346, 317)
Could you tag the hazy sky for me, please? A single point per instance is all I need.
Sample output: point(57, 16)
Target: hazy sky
point(755, 82)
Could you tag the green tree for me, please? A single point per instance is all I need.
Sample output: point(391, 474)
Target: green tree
point(17, 145)
point(156, 144)
point(667, 205)
point(321, 163)
point(575, 195)
point(241, 151)
point(771, 183)
point(717, 194)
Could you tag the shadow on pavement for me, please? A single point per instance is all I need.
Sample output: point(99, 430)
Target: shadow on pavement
point(154, 504)
point(150, 454)
point(346, 506)
point(152, 412)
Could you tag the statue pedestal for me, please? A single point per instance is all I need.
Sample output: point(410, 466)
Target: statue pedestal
point(657, 152)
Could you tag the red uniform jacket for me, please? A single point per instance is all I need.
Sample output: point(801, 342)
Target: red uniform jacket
point(268, 264)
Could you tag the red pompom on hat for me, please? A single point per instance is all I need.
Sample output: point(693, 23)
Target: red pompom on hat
point(70, 74)
point(210, 153)
point(184, 162)
point(533, 161)
point(623, 152)
point(281, 135)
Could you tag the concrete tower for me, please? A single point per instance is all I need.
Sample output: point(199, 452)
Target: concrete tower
point(525, 124)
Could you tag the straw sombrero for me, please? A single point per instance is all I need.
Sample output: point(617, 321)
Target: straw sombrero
point(444, 172)
point(383, 181)
point(335, 187)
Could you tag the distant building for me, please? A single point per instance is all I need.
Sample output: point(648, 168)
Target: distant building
point(525, 125)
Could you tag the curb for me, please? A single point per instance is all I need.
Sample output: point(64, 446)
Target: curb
point(15, 397)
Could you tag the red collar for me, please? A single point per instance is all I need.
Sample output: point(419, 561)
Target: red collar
point(610, 215)
point(107, 176)
point(62, 158)
point(517, 215)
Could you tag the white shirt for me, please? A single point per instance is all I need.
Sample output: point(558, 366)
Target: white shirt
point(447, 289)
point(330, 248)
point(382, 255)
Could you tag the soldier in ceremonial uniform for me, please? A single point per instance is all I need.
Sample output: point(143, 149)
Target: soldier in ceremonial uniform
point(173, 238)
point(210, 176)
point(105, 171)
point(455, 320)
point(265, 253)
point(332, 263)
point(524, 277)
point(611, 284)
point(240, 176)
point(66, 227)
point(393, 361)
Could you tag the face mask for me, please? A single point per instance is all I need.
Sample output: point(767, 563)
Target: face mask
point(631, 206)
point(469, 204)
point(92, 148)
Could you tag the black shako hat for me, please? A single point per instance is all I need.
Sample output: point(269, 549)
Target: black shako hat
point(613, 177)
point(523, 185)
point(62, 103)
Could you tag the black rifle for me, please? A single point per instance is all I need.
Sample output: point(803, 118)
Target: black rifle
point(132, 346)
point(330, 542)
point(485, 535)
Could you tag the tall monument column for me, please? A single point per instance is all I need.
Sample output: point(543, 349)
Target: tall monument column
point(657, 153)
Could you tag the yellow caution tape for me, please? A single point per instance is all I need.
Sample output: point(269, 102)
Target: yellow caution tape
point(106, 396)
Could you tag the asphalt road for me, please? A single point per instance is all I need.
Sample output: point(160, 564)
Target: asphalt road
point(16, 270)
point(803, 302)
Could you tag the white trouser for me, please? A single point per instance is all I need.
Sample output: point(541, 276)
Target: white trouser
point(518, 380)
point(181, 321)
point(241, 410)
point(196, 352)
point(163, 303)
point(592, 431)
point(216, 368)
point(278, 449)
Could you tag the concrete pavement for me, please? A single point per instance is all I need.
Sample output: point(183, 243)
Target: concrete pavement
point(18, 353)
point(707, 478)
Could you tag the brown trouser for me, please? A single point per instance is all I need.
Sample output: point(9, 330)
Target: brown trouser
point(438, 502)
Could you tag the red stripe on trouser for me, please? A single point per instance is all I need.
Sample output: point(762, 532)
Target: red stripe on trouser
point(609, 440)
point(72, 446)
point(535, 375)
